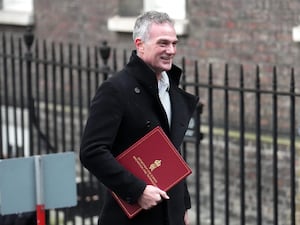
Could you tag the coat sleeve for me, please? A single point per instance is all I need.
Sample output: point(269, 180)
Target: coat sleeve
point(96, 150)
point(187, 198)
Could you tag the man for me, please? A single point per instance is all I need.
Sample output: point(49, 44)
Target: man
point(143, 95)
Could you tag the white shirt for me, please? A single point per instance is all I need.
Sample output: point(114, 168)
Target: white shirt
point(163, 92)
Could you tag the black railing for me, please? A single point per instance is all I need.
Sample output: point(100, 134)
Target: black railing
point(244, 169)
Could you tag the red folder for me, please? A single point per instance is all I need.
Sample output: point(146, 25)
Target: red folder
point(155, 160)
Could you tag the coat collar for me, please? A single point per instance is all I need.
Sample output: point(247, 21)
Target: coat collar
point(183, 104)
point(144, 74)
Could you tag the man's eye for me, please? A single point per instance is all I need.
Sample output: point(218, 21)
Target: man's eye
point(163, 44)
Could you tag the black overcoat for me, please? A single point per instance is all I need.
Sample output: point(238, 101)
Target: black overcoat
point(125, 108)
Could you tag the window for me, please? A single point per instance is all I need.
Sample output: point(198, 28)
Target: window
point(16, 12)
point(175, 8)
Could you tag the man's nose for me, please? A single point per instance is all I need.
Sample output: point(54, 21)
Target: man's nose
point(171, 49)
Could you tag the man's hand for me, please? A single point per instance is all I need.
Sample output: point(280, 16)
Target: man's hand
point(151, 197)
point(186, 218)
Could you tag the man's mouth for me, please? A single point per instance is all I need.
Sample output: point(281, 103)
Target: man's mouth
point(166, 59)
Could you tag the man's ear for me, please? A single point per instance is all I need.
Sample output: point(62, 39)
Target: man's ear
point(139, 44)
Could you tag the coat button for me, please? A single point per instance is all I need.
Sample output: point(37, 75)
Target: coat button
point(137, 90)
point(148, 123)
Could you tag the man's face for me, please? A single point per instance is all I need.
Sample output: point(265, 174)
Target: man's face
point(160, 48)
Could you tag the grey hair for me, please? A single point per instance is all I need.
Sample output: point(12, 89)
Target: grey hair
point(145, 20)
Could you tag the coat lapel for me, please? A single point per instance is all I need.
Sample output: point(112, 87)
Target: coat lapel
point(183, 105)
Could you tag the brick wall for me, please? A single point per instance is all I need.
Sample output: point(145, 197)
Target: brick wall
point(231, 31)
point(81, 22)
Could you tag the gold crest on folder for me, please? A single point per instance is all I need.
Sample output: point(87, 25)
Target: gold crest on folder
point(155, 164)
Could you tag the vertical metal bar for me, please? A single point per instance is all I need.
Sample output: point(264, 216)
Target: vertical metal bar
point(88, 97)
point(183, 78)
point(275, 147)
point(72, 126)
point(258, 147)
point(242, 147)
point(37, 91)
point(21, 96)
point(61, 127)
point(211, 143)
point(39, 186)
point(37, 94)
point(54, 95)
point(115, 64)
point(28, 38)
point(88, 77)
point(14, 99)
point(6, 106)
point(80, 105)
point(96, 77)
point(46, 97)
point(1, 121)
point(62, 96)
point(197, 147)
point(293, 147)
point(71, 99)
point(41, 103)
point(80, 98)
point(226, 147)
point(105, 53)
point(55, 102)
point(124, 57)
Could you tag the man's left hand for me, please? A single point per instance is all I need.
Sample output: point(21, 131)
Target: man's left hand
point(186, 218)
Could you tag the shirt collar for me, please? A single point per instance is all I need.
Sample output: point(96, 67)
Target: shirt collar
point(164, 81)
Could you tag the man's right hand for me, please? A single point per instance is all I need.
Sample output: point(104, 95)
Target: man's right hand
point(151, 197)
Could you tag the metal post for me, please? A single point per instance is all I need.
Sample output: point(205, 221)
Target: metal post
point(105, 53)
point(199, 137)
point(39, 184)
point(28, 39)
